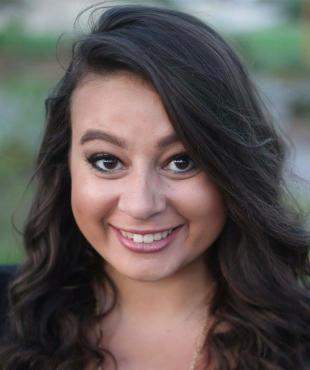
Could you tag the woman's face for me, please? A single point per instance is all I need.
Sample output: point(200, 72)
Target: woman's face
point(131, 173)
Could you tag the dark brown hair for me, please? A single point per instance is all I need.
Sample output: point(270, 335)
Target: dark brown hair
point(260, 261)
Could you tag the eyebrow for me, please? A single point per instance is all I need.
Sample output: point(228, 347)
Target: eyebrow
point(91, 135)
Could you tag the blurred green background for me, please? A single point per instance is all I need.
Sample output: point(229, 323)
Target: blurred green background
point(273, 37)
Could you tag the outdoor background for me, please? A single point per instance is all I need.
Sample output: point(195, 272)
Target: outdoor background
point(273, 37)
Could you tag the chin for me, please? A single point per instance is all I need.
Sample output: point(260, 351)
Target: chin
point(146, 275)
point(148, 278)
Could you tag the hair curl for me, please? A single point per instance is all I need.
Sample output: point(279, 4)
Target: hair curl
point(260, 261)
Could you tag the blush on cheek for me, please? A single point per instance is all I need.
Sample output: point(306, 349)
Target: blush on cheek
point(206, 201)
point(85, 196)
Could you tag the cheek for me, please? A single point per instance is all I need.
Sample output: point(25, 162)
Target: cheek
point(84, 195)
point(89, 195)
point(202, 204)
point(200, 198)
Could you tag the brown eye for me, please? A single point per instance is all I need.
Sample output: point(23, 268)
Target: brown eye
point(104, 162)
point(181, 163)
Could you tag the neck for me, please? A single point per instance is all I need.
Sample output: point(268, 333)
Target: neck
point(176, 297)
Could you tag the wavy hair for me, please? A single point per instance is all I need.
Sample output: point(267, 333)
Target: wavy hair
point(260, 261)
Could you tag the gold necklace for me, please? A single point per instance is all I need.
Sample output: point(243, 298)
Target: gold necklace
point(199, 343)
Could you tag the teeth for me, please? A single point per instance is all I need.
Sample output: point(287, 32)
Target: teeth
point(157, 236)
point(137, 238)
point(147, 238)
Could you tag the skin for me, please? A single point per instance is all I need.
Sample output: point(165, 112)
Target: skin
point(142, 191)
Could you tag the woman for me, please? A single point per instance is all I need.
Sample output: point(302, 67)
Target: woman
point(158, 237)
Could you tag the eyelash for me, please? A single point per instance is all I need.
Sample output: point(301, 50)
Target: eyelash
point(106, 157)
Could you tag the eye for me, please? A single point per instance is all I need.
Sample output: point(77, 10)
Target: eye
point(181, 163)
point(104, 162)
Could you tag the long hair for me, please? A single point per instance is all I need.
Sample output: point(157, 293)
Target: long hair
point(260, 261)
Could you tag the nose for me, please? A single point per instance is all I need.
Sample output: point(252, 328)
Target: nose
point(142, 196)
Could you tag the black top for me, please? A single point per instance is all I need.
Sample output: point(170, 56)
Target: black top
point(6, 274)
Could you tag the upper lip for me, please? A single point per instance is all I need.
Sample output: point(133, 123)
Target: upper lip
point(142, 232)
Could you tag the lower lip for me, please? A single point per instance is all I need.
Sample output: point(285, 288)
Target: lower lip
point(155, 246)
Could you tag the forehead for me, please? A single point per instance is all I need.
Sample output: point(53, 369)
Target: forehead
point(122, 104)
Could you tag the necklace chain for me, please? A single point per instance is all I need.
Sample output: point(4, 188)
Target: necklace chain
point(198, 346)
point(199, 343)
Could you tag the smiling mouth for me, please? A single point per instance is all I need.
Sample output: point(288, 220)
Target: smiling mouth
point(146, 243)
point(148, 237)
point(145, 232)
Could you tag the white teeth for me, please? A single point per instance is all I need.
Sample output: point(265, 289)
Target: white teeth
point(147, 238)
point(157, 236)
point(137, 238)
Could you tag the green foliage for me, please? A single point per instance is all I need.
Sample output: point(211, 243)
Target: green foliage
point(21, 124)
point(15, 164)
point(275, 50)
point(10, 255)
point(14, 41)
point(4, 3)
point(291, 8)
point(28, 86)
